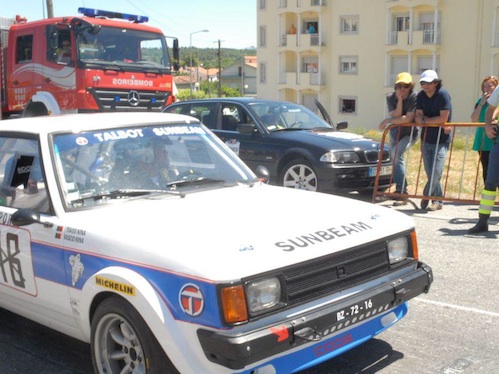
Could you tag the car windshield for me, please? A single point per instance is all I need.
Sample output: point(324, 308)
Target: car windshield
point(104, 166)
point(124, 50)
point(276, 116)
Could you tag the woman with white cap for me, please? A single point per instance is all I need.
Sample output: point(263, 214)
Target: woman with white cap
point(433, 107)
point(401, 105)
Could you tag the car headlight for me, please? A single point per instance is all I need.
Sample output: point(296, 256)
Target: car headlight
point(341, 157)
point(263, 294)
point(398, 249)
point(253, 298)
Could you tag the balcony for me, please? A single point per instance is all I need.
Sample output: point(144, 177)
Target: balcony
point(420, 39)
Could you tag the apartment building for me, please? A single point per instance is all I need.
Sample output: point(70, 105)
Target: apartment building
point(346, 53)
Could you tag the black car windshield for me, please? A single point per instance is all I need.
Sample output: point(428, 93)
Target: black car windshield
point(102, 166)
point(277, 116)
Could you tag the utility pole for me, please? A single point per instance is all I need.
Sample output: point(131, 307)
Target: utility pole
point(50, 9)
point(219, 70)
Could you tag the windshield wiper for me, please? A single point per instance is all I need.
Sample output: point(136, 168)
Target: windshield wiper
point(199, 181)
point(125, 193)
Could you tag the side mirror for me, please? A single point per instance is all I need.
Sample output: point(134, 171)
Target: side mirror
point(25, 217)
point(263, 174)
point(341, 125)
point(246, 128)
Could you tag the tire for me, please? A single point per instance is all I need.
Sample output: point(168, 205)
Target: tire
point(123, 343)
point(35, 110)
point(299, 174)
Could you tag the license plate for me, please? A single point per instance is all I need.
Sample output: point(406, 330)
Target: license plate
point(385, 170)
point(351, 311)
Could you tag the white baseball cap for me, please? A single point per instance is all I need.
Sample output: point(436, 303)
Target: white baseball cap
point(429, 76)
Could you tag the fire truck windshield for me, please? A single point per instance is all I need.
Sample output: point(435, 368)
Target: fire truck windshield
point(123, 49)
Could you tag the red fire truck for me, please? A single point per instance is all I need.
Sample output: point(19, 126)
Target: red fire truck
point(102, 61)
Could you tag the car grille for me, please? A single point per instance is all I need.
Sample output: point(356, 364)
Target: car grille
point(118, 100)
point(335, 272)
point(372, 156)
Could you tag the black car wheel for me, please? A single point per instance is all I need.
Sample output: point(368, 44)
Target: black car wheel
point(123, 343)
point(299, 174)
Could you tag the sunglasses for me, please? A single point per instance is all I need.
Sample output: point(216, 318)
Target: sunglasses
point(400, 86)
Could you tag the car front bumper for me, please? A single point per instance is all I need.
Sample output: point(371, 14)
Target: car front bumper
point(333, 178)
point(319, 334)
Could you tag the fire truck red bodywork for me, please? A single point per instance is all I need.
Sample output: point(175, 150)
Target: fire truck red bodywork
point(35, 83)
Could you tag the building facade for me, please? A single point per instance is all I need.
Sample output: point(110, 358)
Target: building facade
point(347, 53)
point(242, 75)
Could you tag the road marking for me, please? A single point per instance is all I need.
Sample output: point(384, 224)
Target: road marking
point(458, 307)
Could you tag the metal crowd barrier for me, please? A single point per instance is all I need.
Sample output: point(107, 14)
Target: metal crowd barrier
point(462, 179)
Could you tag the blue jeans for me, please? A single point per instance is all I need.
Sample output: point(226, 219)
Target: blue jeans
point(397, 150)
point(434, 156)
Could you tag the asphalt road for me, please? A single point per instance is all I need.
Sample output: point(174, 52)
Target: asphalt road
point(453, 329)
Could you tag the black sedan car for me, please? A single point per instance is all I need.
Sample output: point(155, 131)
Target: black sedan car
point(299, 148)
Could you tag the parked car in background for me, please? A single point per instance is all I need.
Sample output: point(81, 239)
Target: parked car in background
point(142, 234)
point(300, 149)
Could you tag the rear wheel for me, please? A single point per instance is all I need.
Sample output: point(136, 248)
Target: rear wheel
point(299, 174)
point(123, 343)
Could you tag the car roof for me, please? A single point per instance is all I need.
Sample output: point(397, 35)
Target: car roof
point(90, 121)
point(244, 100)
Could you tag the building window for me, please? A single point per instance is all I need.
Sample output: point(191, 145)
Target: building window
point(310, 27)
point(263, 36)
point(263, 4)
point(402, 23)
point(348, 64)
point(263, 73)
point(425, 63)
point(349, 25)
point(310, 65)
point(348, 105)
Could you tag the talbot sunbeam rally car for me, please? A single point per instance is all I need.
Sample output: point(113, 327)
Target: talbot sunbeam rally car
point(144, 235)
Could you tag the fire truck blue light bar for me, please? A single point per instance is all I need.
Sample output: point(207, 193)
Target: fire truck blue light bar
point(89, 12)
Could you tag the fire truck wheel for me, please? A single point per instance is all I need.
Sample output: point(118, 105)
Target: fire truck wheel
point(35, 110)
point(122, 340)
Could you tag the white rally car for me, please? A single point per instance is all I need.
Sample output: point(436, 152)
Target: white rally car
point(144, 235)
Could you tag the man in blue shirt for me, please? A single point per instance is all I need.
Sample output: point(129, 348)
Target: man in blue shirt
point(433, 107)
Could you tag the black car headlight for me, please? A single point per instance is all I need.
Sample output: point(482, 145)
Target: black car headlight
point(341, 157)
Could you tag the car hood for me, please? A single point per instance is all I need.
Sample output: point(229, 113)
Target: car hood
point(229, 233)
point(328, 139)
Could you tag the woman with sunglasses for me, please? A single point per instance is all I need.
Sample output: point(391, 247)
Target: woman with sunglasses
point(401, 105)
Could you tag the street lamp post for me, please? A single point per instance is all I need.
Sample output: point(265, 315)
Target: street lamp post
point(190, 67)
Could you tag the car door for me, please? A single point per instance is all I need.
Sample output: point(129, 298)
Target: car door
point(32, 271)
point(254, 147)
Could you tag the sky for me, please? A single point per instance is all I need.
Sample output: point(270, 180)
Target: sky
point(233, 22)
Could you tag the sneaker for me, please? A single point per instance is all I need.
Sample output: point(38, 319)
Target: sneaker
point(424, 203)
point(435, 206)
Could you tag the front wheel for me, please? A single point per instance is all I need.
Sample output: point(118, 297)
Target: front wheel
point(299, 174)
point(123, 343)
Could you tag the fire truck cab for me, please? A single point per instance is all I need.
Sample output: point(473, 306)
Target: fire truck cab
point(102, 61)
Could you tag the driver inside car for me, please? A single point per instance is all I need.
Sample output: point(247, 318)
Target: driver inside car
point(147, 168)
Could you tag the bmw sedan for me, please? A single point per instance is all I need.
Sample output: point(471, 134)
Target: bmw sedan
point(299, 148)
